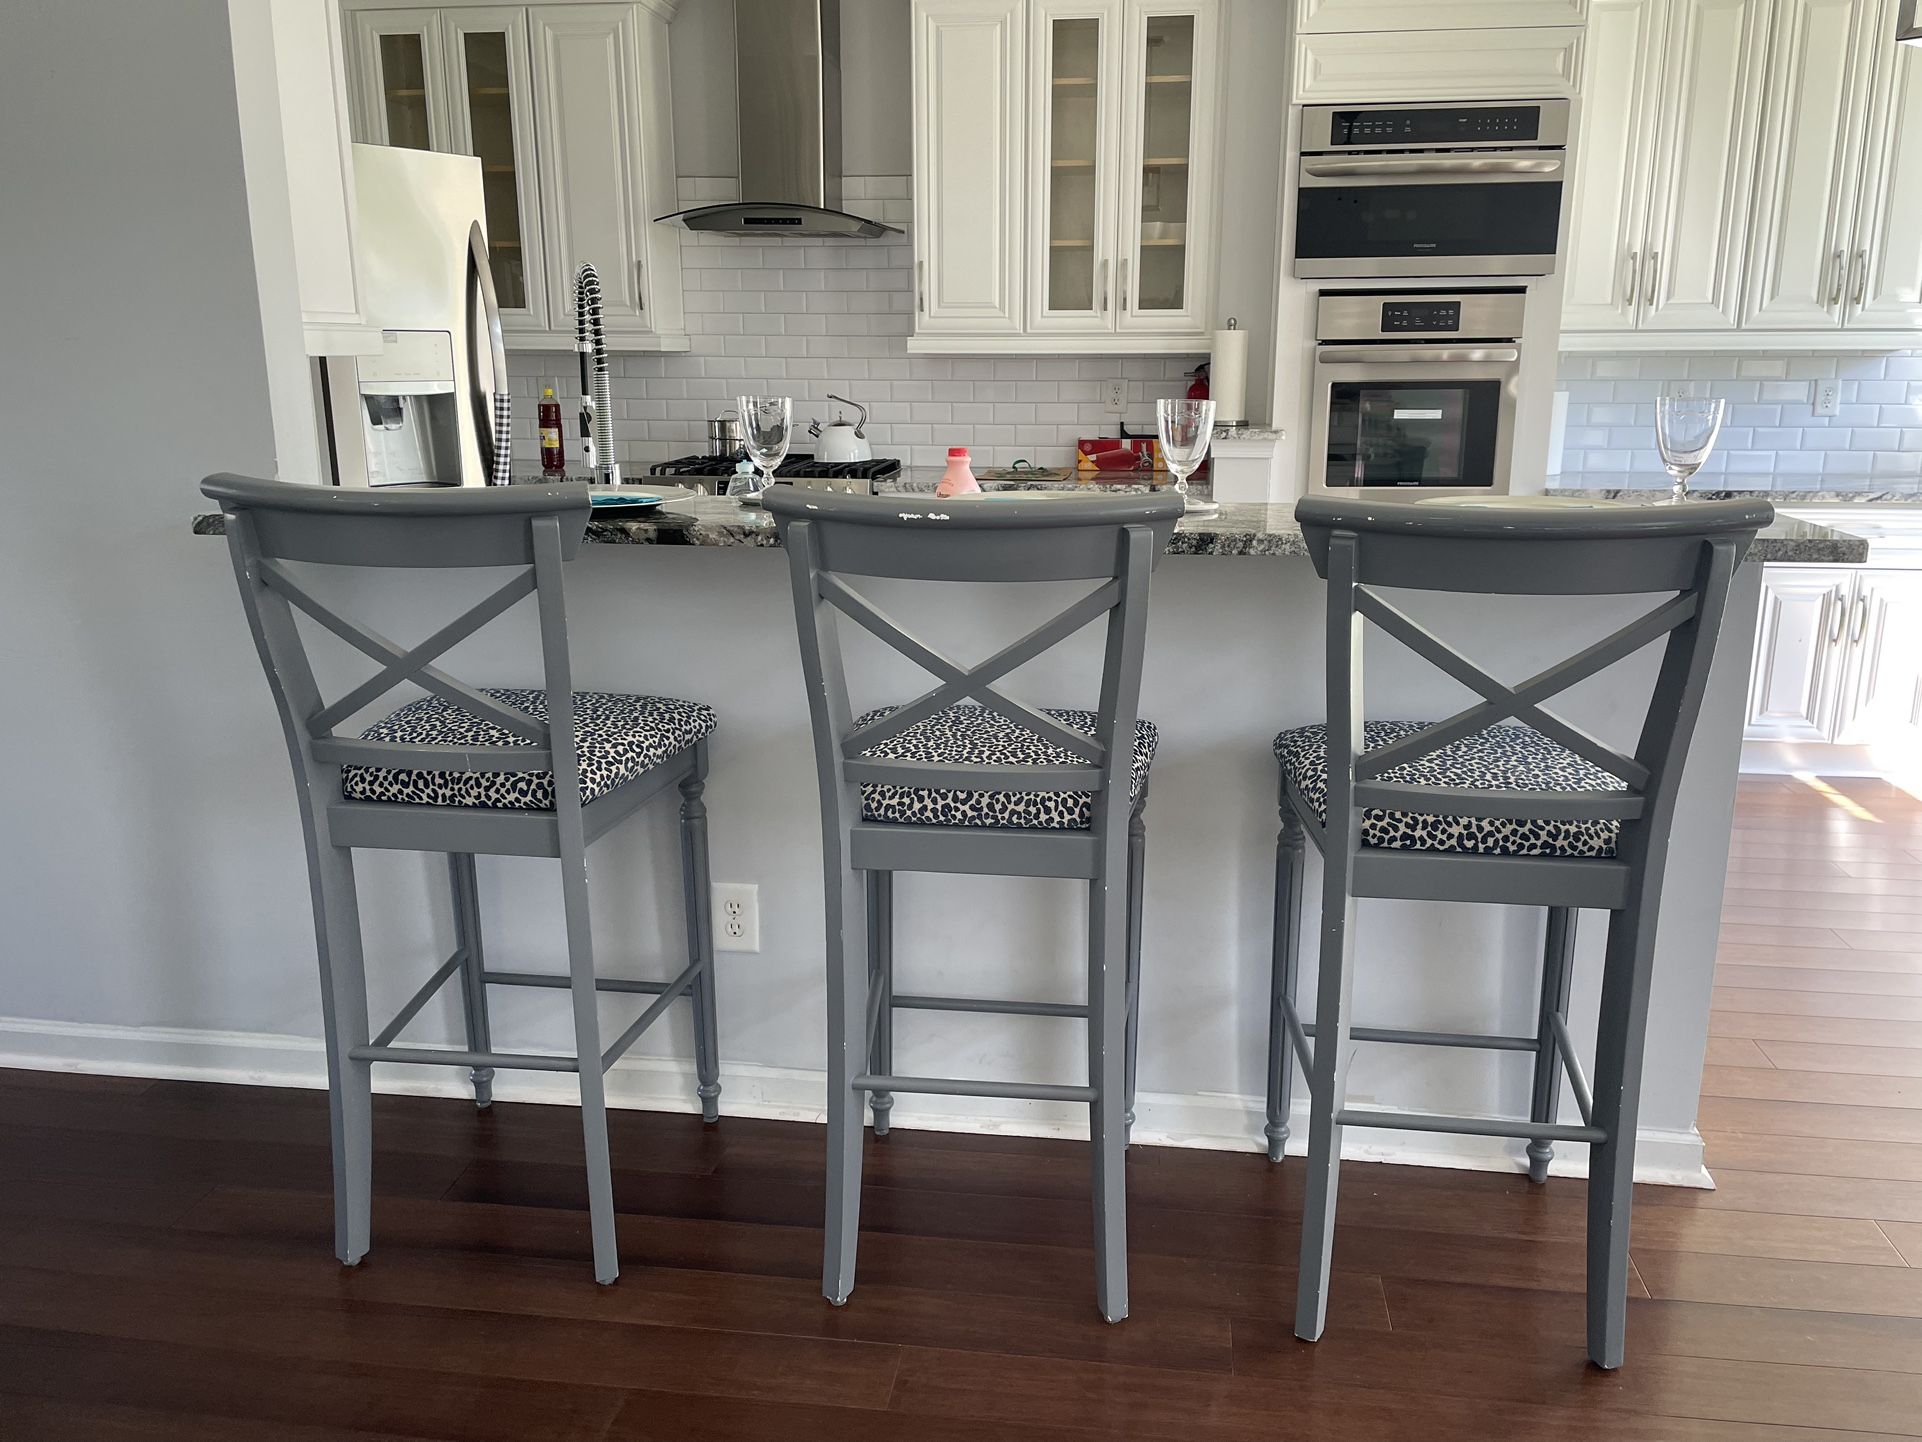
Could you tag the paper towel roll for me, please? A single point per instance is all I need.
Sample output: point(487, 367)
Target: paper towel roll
point(1228, 377)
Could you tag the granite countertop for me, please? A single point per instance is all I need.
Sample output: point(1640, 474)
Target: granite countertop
point(1235, 530)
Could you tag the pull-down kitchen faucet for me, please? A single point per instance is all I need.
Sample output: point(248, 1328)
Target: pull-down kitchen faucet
point(597, 407)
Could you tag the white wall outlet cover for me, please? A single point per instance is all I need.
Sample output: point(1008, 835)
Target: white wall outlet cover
point(1114, 397)
point(737, 916)
point(1827, 397)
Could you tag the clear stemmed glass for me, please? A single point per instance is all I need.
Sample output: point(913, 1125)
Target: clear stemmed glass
point(766, 422)
point(1185, 428)
point(1685, 431)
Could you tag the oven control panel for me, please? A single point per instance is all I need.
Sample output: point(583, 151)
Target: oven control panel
point(1441, 125)
point(1399, 317)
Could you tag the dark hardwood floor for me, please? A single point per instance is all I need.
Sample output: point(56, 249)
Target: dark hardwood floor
point(165, 1267)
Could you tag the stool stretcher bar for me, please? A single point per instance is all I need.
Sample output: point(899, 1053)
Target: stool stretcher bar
point(434, 1056)
point(602, 983)
point(1468, 1126)
point(1571, 1064)
point(982, 1004)
point(965, 1087)
point(670, 993)
point(420, 998)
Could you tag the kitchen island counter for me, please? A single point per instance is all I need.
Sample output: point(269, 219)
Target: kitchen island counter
point(1237, 529)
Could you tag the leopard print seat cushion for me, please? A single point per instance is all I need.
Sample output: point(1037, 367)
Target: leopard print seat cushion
point(975, 734)
point(1497, 759)
point(618, 737)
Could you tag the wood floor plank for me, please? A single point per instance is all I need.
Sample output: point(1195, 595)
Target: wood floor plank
point(1742, 933)
point(1906, 1237)
point(1886, 895)
point(1835, 1088)
point(1735, 1051)
point(158, 1389)
point(1814, 1156)
point(1809, 1119)
point(1761, 1234)
point(1814, 980)
point(1902, 870)
point(1784, 1285)
point(1818, 958)
point(1775, 1026)
point(1901, 931)
point(1799, 1003)
point(1892, 1061)
point(1750, 1191)
point(1861, 938)
point(1777, 1336)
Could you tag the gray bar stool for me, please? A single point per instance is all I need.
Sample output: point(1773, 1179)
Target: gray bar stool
point(1470, 809)
point(996, 789)
point(463, 771)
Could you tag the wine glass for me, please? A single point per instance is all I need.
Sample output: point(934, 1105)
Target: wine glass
point(1185, 428)
point(766, 423)
point(1685, 431)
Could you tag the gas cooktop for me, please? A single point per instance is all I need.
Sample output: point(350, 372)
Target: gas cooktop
point(858, 476)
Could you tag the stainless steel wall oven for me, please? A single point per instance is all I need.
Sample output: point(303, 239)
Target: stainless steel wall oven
point(1442, 190)
point(1415, 388)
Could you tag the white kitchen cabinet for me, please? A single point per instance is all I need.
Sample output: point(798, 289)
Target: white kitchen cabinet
point(970, 111)
point(1781, 203)
point(1437, 64)
point(1885, 284)
point(1065, 175)
point(567, 105)
point(1821, 74)
point(1798, 667)
point(1322, 16)
point(1838, 657)
point(1608, 200)
point(316, 140)
point(1881, 702)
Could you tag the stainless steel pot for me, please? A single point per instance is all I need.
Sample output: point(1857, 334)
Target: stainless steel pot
point(726, 436)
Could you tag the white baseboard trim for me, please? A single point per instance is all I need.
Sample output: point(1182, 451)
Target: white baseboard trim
point(1209, 1120)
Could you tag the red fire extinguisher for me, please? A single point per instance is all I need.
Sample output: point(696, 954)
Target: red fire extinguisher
point(1198, 385)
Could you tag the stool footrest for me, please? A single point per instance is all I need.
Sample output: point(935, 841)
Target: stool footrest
point(563, 981)
point(1468, 1126)
point(434, 1056)
point(1435, 1038)
point(963, 1087)
point(984, 1004)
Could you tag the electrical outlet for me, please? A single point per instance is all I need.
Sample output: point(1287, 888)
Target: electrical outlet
point(737, 916)
point(1828, 397)
point(1114, 397)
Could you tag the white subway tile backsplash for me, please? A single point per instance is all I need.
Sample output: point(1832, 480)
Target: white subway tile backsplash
point(1771, 429)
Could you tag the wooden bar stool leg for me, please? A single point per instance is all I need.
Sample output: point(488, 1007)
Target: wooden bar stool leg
point(1107, 1058)
point(1327, 1088)
point(1286, 963)
point(1619, 1036)
point(473, 984)
point(1137, 868)
point(1558, 961)
point(350, 1083)
point(700, 936)
point(881, 990)
point(847, 1052)
point(587, 1047)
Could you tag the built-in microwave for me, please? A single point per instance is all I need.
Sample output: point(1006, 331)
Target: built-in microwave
point(1466, 189)
point(1415, 389)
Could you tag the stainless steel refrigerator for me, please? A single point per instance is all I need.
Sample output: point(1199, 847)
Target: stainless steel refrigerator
point(431, 408)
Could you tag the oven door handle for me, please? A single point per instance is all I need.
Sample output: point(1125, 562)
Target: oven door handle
point(1414, 354)
point(1436, 165)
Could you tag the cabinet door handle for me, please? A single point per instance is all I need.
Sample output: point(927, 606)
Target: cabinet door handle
point(1124, 284)
point(1838, 615)
point(1654, 274)
point(1861, 277)
point(1101, 287)
point(1861, 626)
point(1835, 279)
point(921, 285)
point(640, 285)
point(1634, 276)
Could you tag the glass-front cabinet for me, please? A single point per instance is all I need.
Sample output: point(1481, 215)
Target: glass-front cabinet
point(456, 80)
point(1123, 105)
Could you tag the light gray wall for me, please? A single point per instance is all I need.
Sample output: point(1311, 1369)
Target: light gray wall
point(130, 365)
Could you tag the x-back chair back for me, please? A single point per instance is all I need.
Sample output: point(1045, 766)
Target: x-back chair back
point(276, 532)
point(1365, 549)
point(1111, 541)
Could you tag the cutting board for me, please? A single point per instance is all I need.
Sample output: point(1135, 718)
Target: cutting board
point(1024, 473)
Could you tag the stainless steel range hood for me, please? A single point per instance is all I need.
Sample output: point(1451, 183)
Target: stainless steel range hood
point(788, 77)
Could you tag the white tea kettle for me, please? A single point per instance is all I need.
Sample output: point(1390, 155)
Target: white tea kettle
point(840, 439)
